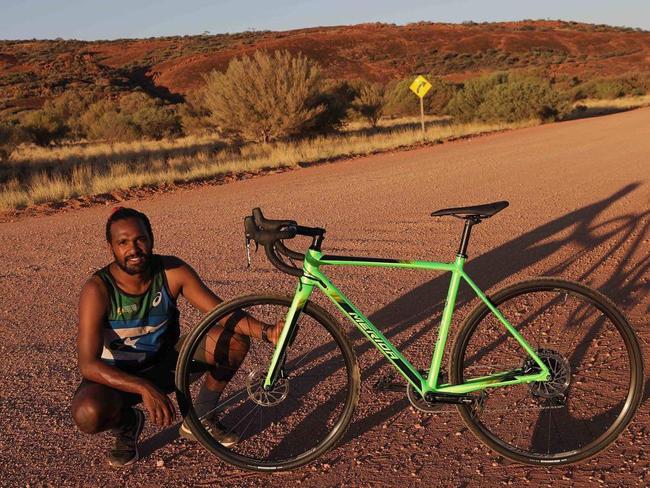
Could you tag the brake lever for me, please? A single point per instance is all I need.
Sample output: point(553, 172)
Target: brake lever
point(248, 250)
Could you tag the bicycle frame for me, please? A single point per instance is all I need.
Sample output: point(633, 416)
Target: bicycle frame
point(430, 384)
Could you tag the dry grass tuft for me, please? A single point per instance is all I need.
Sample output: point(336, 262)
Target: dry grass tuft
point(623, 103)
point(38, 175)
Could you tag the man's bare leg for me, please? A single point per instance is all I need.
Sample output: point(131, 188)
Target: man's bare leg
point(225, 348)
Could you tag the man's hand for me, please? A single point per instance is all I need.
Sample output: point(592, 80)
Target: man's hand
point(275, 330)
point(160, 407)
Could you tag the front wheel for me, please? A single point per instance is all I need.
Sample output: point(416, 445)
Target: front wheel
point(307, 410)
point(595, 363)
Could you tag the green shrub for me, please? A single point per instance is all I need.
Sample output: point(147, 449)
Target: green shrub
point(520, 100)
point(192, 113)
point(44, 127)
point(465, 104)
point(157, 122)
point(104, 121)
point(134, 116)
point(151, 118)
point(611, 88)
point(336, 97)
point(508, 98)
point(8, 140)
point(401, 101)
point(605, 89)
point(369, 103)
point(69, 107)
point(113, 126)
point(264, 97)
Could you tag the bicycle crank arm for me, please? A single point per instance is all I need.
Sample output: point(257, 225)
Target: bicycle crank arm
point(455, 399)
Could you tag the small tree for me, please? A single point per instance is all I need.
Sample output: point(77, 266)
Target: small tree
point(264, 97)
point(104, 121)
point(150, 116)
point(369, 103)
point(465, 104)
point(44, 126)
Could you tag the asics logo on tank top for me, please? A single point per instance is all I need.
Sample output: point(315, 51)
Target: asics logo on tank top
point(156, 300)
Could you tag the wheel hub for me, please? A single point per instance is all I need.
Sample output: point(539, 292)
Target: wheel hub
point(559, 370)
point(266, 397)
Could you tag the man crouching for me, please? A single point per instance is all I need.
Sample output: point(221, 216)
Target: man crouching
point(129, 337)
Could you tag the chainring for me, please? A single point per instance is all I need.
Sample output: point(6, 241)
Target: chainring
point(419, 403)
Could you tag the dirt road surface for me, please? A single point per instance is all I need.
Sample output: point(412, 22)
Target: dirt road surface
point(579, 209)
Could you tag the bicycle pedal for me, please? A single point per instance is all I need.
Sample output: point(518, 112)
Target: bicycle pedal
point(388, 383)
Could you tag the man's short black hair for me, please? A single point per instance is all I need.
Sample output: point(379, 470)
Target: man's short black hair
point(123, 213)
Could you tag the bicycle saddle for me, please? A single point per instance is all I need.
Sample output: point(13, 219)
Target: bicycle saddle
point(477, 211)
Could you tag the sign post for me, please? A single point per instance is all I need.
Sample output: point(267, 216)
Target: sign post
point(420, 87)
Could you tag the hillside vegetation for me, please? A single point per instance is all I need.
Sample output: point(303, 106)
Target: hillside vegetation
point(34, 71)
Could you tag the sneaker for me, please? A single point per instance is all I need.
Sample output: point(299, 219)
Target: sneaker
point(216, 429)
point(125, 450)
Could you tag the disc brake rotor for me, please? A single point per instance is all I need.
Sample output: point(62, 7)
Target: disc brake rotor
point(559, 369)
point(266, 398)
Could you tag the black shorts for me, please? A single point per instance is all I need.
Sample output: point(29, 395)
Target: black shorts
point(161, 373)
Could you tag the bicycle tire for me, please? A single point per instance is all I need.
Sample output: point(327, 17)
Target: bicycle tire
point(322, 389)
point(558, 397)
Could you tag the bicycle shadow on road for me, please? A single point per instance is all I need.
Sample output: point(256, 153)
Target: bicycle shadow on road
point(617, 239)
point(420, 309)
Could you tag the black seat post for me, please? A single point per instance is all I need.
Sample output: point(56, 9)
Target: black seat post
point(467, 230)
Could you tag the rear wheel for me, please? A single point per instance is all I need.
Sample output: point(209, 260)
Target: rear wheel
point(307, 410)
point(595, 363)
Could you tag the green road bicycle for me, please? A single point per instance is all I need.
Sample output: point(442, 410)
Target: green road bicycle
point(544, 372)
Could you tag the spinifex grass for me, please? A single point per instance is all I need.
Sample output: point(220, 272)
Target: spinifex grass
point(40, 175)
point(623, 103)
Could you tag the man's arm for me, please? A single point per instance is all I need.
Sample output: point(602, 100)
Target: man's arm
point(93, 305)
point(193, 288)
point(204, 299)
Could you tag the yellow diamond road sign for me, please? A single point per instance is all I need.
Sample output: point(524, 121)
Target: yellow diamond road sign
point(420, 86)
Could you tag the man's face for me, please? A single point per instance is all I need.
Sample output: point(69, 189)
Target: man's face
point(131, 245)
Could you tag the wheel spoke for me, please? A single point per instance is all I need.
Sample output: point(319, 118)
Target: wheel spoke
point(567, 323)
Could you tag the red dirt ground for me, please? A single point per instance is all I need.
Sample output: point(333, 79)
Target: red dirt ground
point(580, 209)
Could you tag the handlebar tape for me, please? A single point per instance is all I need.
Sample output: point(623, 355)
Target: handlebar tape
point(275, 261)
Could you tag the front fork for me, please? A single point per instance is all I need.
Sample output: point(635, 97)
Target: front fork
point(303, 292)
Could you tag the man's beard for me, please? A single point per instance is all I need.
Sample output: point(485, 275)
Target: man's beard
point(134, 268)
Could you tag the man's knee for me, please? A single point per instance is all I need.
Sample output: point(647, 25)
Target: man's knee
point(93, 415)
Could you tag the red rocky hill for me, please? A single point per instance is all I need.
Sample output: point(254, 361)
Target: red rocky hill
point(32, 71)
